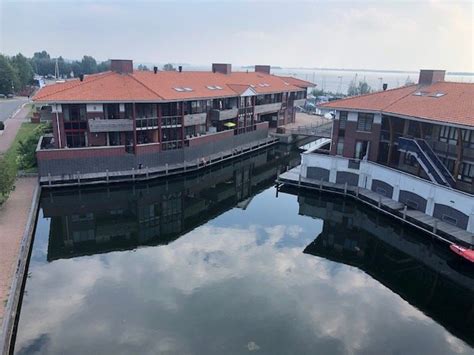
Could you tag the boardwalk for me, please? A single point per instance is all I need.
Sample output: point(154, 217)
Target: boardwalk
point(418, 219)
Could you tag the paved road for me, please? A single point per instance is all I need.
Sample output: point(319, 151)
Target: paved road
point(9, 106)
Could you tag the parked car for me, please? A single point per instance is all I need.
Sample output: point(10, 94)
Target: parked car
point(2, 96)
point(10, 96)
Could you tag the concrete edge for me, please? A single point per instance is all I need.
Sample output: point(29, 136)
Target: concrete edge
point(14, 297)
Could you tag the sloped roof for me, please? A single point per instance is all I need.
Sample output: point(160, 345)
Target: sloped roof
point(162, 86)
point(447, 102)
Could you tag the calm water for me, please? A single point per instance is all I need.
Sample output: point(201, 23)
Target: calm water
point(219, 264)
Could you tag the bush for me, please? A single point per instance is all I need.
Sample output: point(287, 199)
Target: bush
point(26, 158)
point(7, 178)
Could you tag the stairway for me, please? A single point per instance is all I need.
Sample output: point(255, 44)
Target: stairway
point(428, 160)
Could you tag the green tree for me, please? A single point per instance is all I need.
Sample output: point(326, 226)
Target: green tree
point(89, 65)
point(143, 67)
point(7, 178)
point(358, 88)
point(42, 63)
point(103, 66)
point(168, 67)
point(8, 76)
point(23, 69)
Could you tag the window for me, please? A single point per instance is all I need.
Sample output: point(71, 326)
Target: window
point(448, 135)
point(75, 139)
point(361, 149)
point(340, 146)
point(342, 119)
point(466, 172)
point(468, 138)
point(365, 121)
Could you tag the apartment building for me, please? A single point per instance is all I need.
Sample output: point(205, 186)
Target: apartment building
point(426, 129)
point(126, 119)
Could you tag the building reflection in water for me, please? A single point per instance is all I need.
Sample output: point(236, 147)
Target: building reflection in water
point(98, 220)
point(421, 271)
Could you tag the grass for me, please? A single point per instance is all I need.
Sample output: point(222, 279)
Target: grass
point(26, 130)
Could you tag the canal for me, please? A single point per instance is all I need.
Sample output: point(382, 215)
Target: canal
point(220, 263)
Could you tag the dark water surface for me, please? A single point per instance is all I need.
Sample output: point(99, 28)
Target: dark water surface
point(218, 264)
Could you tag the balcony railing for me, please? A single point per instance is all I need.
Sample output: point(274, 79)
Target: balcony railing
point(194, 119)
point(222, 115)
point(147, 123)
point(267, 108)
point(114, 125)
point(299, 102)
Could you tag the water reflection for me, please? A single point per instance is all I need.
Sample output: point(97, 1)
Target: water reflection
point(424, 273)
point(227, 273)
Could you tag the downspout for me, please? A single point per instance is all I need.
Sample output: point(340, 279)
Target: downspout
point(57, 125)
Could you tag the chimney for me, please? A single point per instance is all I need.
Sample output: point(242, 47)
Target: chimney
point(81, 77)
point(428, 77)
point(180, 68)
point(384, 86)
point(221, 68)
point(265, 69)
point(155, 70)
point(122, 66)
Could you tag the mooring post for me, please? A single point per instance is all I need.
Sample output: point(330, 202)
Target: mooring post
point(147, 172)
point(133, 174)
point(380, 201)
point(357, 191)
point(345, 188)
point(107, 175)
point(405, 212)
point(78, 179)
point(49, 179)
point(321, 184)
point(435, 227)
point(166, 169)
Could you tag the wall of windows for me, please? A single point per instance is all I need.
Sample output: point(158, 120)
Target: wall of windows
point(466, 172)
point(448, 135)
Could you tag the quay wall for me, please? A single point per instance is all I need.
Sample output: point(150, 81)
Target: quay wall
point(447, 204)
point(91, 160)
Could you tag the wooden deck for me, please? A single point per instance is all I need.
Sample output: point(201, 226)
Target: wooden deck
point(433, 226)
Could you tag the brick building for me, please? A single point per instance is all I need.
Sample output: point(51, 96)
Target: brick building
point(125, 119)
point(426, 129)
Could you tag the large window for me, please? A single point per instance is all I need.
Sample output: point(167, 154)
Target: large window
point(342, 119)
point(468, 138)
point(365, 121)
point(466, 172)
point(340, 146)
point(448, 135)
point(75, 139)
point(361, 149)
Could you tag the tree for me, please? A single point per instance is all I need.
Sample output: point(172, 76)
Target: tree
point(6, 177)
point(42, 63)
point(143, 67)
point(359, 88)
point(168, 67)
point(23, 69)
point(89, 65)
point(8, 76)
point(103, 66)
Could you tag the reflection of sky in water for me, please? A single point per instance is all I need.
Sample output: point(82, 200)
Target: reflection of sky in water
point(238, 284)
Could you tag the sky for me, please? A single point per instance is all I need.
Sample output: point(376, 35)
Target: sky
point(388, 35)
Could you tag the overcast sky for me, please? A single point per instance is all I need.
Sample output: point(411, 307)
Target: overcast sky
point(405, 35)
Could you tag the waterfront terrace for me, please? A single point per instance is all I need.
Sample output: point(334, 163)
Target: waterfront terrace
point(124, 122)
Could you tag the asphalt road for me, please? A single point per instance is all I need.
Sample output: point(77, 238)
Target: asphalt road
point(9, 106)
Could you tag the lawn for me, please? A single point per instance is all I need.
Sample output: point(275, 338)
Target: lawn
point(26, 131)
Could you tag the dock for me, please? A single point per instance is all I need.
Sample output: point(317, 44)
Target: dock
point(435, 227)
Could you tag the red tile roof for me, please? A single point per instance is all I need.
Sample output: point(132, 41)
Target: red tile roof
point(453, 105)
point(163, 86)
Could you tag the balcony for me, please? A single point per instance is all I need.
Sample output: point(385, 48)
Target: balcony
point(300, 102)
point(221, 115)
point(195, 119)
point(112, 125)
point(147, 123)
point(268, 108)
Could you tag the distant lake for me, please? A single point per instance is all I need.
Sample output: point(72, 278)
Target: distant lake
point(339, 80)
